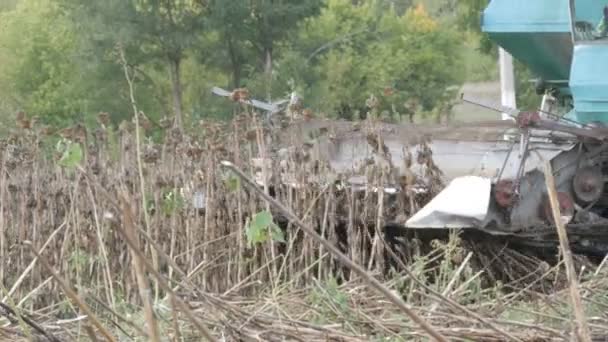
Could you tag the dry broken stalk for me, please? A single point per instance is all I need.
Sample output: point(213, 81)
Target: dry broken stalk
point(121, 318)
point(162, 282)
point(32, 264)
point(579, 313)
point(91, 333)
point(177, 336)
point(451, 302)
point(39, 199)
point(448, 288)
point(104, 254)
point(73, 295)
point(102, 191)
point(9, 309)
point(140, 170)
point(159, 278)
point(33, 292)
point(373, 282)
point(142, 280)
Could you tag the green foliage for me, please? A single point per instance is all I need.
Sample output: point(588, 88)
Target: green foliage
point(51, 71)
point(59, 59)
point(154, 33)
point(79, 259)
point(148, 28)
point(172, 201)
point(479, 66)
point(199, 75)
point(526, 96)
point(348, 53)
point(261, 228)
point(232, 182)
point(113, 144)
point(469, 19)
point(250, 33)
point(445, 10)
point(469, 14)
point(330, 303)
point(71, 154)
point(37, 73)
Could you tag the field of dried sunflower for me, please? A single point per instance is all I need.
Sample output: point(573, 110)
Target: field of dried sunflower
point(107, 237)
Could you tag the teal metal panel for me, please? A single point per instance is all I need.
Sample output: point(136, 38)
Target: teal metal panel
point(535, 32)
point(590, 10)
point(586, 118)
point(547, 54)
point(589, 80)
point(539, 34)
point(538, 15)
point(527, 16)
point(589, 70)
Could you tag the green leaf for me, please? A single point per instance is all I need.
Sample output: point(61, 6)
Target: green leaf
point(232, 182)
point(72, 156)
point(172, 201)
point(254, 235)
point(262, 219)
point(277, 234)
point(149, 204)
point(261, 228)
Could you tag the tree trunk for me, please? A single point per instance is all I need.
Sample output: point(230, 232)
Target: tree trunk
point(236, 65)
point(268, 71)
point(236, 76)
point(176, 89)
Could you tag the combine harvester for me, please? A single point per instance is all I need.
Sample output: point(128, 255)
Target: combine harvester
point(495, 180)
point(558, 41)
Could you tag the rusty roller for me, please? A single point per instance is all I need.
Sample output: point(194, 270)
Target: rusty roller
point(504, 194)
point(588, 184)
point(566, 208)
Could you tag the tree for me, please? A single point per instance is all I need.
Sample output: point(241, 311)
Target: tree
point(7, 5)
point(336, 53)
point(37, 73)
point(250, 30)
point(348, 53)
point(150, 30)
point(232, 49)
point(51, 70)
point(271, 22)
